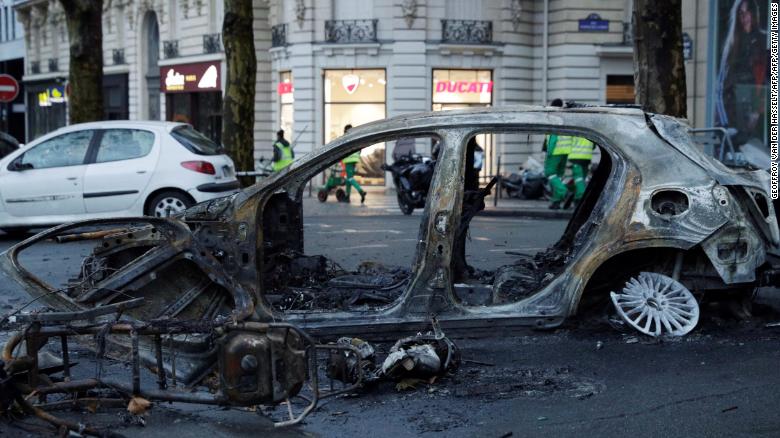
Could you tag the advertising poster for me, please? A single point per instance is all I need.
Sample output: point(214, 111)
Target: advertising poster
point(742, 70)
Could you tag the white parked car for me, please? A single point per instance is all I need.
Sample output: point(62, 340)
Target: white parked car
point(111, 169)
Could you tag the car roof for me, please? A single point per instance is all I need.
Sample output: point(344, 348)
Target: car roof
point(106, 124)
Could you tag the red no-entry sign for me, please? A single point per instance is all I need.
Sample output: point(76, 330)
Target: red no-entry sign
point(9, 88)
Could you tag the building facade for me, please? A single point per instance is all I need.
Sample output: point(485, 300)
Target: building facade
point(12, 63)
point(322, 64)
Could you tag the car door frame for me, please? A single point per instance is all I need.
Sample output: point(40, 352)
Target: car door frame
point(430, 290)
point(84, 162)
point(91, 160)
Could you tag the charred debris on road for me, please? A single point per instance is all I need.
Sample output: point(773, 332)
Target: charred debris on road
point(224, 297)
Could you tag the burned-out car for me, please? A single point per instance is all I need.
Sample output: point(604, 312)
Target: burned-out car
point(659, 225)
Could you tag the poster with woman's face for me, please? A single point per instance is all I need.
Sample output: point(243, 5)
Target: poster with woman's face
point(742, 80)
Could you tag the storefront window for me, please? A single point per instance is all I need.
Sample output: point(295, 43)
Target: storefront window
point(193, 95)
point(456, 89)
point(286, 101)
point(46, 108)
point(461, 88)
point(355, 97)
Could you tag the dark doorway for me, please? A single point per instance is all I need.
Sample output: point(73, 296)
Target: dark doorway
point(115, 97)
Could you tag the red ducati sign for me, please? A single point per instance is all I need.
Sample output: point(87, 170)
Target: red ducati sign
point(9, 88)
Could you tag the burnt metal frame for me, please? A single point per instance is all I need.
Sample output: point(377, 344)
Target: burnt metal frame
point(43, 327)
point(414, 306)
point(652, 152)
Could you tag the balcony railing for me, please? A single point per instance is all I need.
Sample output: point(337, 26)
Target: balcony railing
point(467, 31)
point(170, 49)
point(35, 67)
point(350, 31)
point(279, 35)
point(628, 34)
point(118, 55)
point(212, 43)
point(54, 64)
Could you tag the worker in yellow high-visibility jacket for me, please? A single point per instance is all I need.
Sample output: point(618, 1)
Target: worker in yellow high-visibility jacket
point(283, 153)
point(349, 168)
point(580, 155)
point(558, 148)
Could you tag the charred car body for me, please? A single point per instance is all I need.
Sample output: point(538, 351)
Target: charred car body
point(659, 224)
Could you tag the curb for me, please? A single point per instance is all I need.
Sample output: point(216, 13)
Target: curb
point(533, 214)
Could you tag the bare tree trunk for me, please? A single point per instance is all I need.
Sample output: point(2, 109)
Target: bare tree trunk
point(85, 30)
point(238, 120)
point(659, 70)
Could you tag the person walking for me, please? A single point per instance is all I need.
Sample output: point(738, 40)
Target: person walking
point(580, 156)
point(283, 153)
point(349, 169)
point(558, 148)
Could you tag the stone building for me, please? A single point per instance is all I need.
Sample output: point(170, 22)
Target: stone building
point(12, 64)
point(325, 63)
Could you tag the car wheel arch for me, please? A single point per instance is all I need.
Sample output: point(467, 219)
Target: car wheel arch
point(150, 197)
point(594, 285)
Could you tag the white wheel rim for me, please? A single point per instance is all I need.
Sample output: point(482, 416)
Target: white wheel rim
point(657, 305)
point(169, 206)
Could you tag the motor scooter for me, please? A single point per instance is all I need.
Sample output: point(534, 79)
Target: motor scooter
point(412, 174)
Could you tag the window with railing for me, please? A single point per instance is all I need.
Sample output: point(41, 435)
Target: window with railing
point(212, 43)
point(628, 34)
point(54, 64)
point(35, 67)
point(279, 35)
point(350, 31)
point(171, 49)
point(467, 31)
point(118, 55)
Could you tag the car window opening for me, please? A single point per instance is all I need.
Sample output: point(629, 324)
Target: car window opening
point(501, 260)
point(310, 261)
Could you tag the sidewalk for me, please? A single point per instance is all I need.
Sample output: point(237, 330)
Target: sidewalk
point(382, 203)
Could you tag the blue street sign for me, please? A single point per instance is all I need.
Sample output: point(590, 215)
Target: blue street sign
point(594, 23)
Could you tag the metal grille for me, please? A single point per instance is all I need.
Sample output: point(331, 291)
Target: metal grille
point(212, 43)
point(171, 49)
point(279, 35)
point(350, 31)
point(118, 56)
point(628, 34)
point(467, 31)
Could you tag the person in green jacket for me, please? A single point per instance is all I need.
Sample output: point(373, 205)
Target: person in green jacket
point(580, 156)
point(557, 148)
point(283, 153)
point(349, 168)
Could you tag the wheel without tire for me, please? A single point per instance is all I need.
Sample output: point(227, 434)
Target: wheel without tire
point(168, 203)
point(657, 305)
point(322, 195)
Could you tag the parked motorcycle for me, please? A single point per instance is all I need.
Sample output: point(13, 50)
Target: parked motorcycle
point(412, 174)
point(525, 185)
